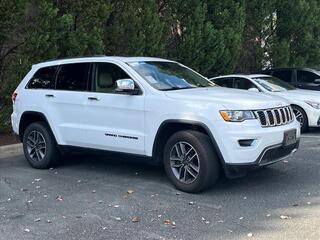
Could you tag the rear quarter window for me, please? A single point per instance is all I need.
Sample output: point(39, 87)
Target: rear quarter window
point(44, 78)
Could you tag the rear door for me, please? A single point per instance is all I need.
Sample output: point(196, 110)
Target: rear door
point(308, 80)
point(116, 119)
point(66, 104)
point(224, 82)
point(243, 83)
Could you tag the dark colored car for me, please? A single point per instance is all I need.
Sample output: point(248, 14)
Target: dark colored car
point(305, 78)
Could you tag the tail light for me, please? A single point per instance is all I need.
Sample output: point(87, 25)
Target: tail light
point(14, 97)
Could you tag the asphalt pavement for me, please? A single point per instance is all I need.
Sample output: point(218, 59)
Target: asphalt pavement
point(95, 197)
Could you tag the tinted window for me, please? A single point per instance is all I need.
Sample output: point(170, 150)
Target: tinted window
point(44, 78)
point(242, 83)
point(284, 75)
point(73, 77)
point(106, 75)
point(306, 77)
point(224, 82)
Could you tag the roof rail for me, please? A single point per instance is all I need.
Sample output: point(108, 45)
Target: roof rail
point(86, 56)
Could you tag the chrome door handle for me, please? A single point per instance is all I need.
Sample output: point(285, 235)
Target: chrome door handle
point(50, 95)
point(93, 98)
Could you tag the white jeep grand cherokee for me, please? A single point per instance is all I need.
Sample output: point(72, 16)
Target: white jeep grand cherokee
point(151, 107)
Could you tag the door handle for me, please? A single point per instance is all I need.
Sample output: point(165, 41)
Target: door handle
point(93, 99)
point(50, 95)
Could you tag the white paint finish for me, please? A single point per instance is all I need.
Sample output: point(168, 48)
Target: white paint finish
point(296, 97)
point(77, 121)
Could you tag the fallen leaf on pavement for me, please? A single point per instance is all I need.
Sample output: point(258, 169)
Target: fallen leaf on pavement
point(135, 219)
point(59, 198)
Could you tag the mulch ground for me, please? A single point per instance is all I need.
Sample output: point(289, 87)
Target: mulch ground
point(7, 138)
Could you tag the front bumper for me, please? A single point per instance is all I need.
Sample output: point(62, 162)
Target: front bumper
point(229, 137)
point(269, 156)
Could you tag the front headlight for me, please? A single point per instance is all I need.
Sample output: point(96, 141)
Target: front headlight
point(315, 105)
point(237, 116)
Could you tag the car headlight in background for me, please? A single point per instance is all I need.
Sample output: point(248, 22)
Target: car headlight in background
point(315, 105)
point(237, 116)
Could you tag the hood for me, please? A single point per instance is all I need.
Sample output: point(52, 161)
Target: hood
point(230, 99)
point(300, 95)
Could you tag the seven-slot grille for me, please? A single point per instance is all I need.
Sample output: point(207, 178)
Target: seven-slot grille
point(275, 117)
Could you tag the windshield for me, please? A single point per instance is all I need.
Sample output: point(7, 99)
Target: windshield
point(167, 76)
point(273, 84)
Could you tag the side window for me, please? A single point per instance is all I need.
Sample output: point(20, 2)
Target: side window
point(224, 82)
point(242, 83)
point(284, 75)
point(306, 77)
point(106, 75)
point(73, 77)
point(44, 78)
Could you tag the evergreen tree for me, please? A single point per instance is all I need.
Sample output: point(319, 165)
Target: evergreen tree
point(85, 26)
point(297, 39)
point(134, 28)
point(195, 42)
point(257, 36)
point(228, 17)
point(11, 13)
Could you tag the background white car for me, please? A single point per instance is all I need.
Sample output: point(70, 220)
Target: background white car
point(305, 103)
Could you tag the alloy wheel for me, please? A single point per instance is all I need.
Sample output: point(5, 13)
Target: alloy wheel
point(184, 162)
point(299, 116)
point(36, 146)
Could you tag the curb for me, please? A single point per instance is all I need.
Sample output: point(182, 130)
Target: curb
point(13, 149)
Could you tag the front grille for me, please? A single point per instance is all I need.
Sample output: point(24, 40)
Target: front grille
point(275, 117)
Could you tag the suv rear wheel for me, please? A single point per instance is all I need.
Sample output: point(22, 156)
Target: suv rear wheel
point(190, 161)
point(39, 146)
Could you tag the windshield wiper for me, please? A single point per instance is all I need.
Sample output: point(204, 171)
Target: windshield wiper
point(176, 88)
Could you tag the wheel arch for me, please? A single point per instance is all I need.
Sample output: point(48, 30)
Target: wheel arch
point(169, 127)
point(29, 117)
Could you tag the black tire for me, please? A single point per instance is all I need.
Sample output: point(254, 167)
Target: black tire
point(209, 166)
point(50, 152)
point(304, 125)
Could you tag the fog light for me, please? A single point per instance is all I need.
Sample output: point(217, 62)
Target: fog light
point(246, 142)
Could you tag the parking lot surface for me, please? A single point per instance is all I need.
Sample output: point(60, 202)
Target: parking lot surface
point(91, 197)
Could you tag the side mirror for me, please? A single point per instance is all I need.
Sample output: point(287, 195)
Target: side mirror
point(125, 85)
point(317, 81)
point(254, 89)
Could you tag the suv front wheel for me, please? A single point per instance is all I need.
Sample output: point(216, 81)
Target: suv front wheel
point(190, 161)
point(39, 146)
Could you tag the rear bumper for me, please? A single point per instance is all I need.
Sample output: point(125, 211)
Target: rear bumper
point(270, 155)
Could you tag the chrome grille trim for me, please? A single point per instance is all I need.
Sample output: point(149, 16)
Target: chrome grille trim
point(279, 116)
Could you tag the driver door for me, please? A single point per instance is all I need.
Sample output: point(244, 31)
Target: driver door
point(116, 119)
